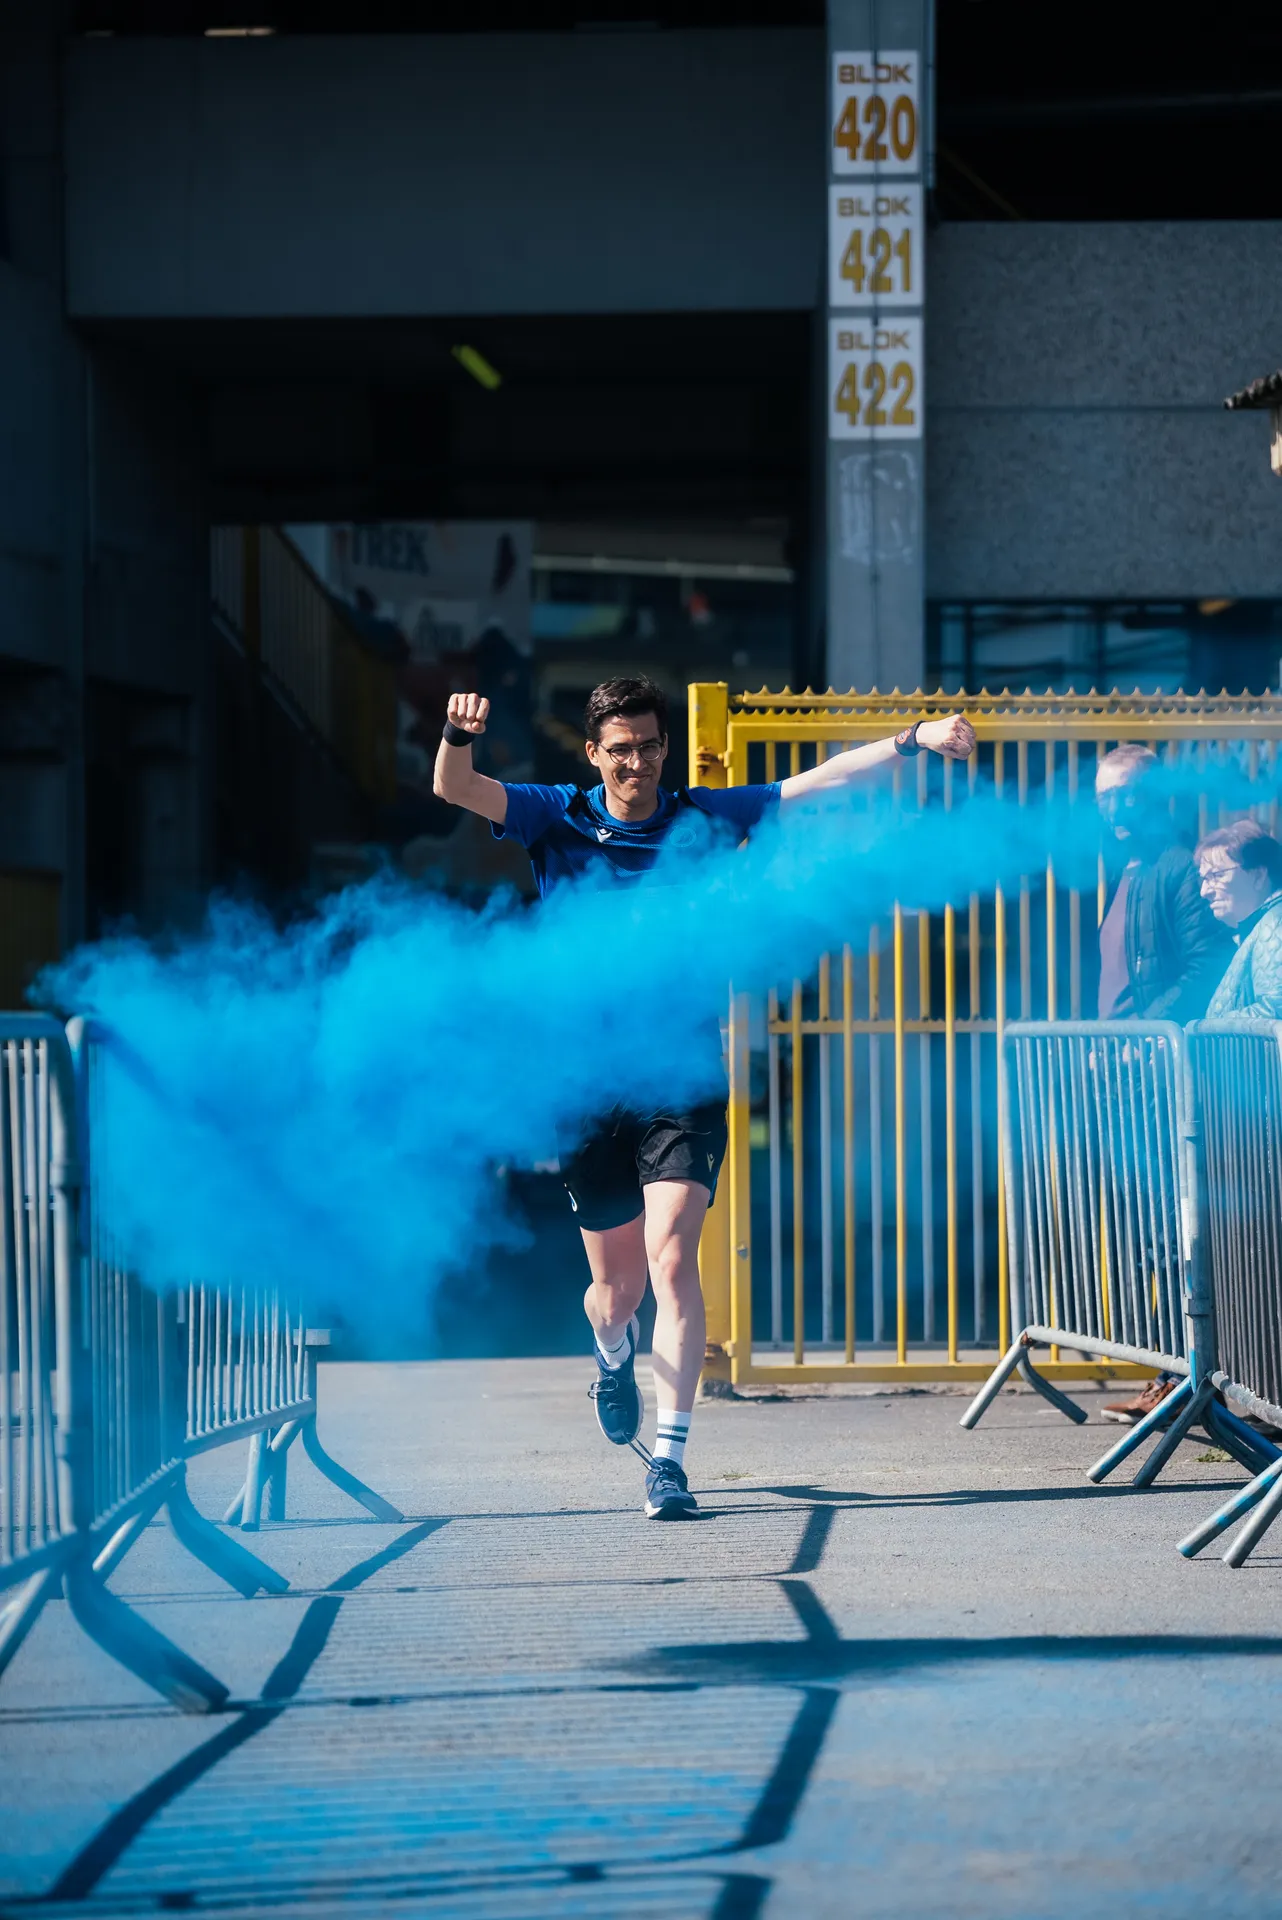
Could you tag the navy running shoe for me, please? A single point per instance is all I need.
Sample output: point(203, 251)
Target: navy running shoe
point(619, 1406)
point(667, 1497)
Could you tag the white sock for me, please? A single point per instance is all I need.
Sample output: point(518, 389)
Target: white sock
point(616, 1355)
point(674, 1431)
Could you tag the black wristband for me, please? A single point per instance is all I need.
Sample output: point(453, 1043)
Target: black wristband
point(457, 736)
point(907, 742)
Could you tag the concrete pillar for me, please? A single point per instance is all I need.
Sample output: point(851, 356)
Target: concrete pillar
point(43, 462)
point(880, 110)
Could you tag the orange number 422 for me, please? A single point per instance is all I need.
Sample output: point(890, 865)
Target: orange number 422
point(869, 409)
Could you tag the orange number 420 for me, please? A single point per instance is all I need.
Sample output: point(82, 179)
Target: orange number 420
point(870, 143)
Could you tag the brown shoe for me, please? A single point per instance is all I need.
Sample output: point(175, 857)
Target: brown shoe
point(1127, 1412)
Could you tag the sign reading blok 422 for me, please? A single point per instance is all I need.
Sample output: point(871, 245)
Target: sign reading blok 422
point(874, 379)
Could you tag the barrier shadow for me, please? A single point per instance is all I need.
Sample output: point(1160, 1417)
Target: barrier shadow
point(100, 1853)
point(988, 1496)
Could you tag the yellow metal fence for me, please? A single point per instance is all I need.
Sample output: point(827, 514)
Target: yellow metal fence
point(30, 930)
point(859, 1228)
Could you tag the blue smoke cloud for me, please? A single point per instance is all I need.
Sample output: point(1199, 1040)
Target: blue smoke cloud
point(325, 1107)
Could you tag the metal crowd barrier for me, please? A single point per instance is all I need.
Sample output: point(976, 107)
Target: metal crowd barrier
point(1099, 1140)
point(108, 1386)
point(1237, 1068)
point(38, 1318)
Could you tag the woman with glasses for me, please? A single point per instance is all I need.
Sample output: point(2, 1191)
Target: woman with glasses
point(1241, 869)
point(640, 1182)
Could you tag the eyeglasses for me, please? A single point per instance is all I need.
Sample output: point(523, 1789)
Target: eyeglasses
point(1219, 876)
point(648, 749)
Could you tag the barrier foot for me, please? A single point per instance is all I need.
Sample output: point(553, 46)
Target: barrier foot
point(251, 1497)
point(1139, 1433)
point(277, 1469)
point(1249, 1448)
point(1256, 1527)
point(996, 1380)
point(20, 1612)
point(1060, 1401)
point(221, 1554)
point(273, 1472)
point(366, 1497)
point(1178, 1430)
point(1222, 1519)
point(128, 1638)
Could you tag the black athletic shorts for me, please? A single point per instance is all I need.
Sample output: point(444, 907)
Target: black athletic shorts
point(606, 1166)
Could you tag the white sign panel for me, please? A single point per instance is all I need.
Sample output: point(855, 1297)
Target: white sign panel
point(876, 113)
point(875, 252)
point(874, 379)
point(441, 581)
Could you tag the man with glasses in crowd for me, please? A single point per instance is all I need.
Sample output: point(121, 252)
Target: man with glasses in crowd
point(1161, 952)
point(641, 1183)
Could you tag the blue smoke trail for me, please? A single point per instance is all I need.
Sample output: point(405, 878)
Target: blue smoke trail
point(325, 1107)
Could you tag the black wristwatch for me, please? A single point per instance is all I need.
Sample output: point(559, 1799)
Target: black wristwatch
point(907, 742)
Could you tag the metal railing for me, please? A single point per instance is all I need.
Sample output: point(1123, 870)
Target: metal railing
point(48, 1426)
point(235, 1364)
point(1106, 1226)
point(37, 1307)
point(246, 1362)
point(135, 1426)
point(860, 1231)
point(1237, 1066)
point(343, 691)
point(1096, 1132)
point(1097, 1145)
point(109, 1385)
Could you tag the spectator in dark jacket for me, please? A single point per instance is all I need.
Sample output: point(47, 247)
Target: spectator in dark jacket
point(1162, 951)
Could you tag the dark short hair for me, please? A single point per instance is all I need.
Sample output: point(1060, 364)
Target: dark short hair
point(1247, 843)
point(623, 699)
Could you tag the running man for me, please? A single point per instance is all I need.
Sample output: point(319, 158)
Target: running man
point(641, 1183)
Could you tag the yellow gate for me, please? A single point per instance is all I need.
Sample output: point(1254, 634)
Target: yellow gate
point(864, 1121)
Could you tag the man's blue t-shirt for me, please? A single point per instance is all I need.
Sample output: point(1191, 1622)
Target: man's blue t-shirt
point(569, 833)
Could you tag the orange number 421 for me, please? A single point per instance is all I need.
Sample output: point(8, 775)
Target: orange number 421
point(855, 269)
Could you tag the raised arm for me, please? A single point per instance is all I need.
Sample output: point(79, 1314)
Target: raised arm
point(455, 778)
point(953, 736)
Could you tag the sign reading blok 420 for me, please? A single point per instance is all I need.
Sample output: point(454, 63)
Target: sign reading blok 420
point(876, 113)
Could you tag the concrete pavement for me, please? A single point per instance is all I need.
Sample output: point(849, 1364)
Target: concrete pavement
point(894, 1669)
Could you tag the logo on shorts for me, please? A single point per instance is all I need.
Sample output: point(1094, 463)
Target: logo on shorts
point(712, 1158)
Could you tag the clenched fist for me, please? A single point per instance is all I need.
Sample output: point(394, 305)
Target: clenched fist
point(469, 711)
point(953, 736)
